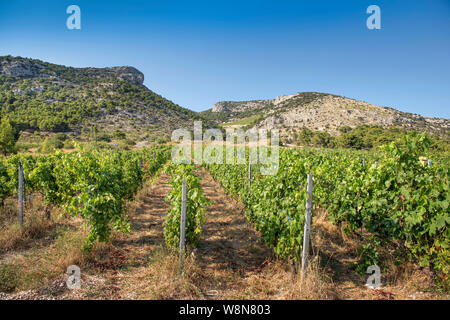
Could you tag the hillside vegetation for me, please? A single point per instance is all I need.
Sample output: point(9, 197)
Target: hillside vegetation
point(320, 112)
point(111, 108)
point(37, 95)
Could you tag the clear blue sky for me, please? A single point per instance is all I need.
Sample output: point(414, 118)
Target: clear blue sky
point(196, 53)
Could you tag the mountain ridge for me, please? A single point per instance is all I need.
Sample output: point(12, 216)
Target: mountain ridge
point(322, 112)
point(33, 68)
point(38, 95)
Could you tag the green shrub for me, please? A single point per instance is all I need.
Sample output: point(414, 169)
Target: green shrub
point(60, 136)
point(8, 136)
point(195, 206)
point(9, 278)
point(50, 145)
point(68, 144)
point(104, 137)
point(119, 134)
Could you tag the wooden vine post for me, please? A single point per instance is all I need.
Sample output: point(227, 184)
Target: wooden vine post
point(20, 194)
point(183, 223)
point(307, 229)
point(249, 175)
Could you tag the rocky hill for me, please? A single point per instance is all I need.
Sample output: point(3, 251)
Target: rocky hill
point(319, 112)
point(37, 95)
point(27, 68)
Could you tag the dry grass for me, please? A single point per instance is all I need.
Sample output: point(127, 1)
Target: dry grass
point(276, 281)
point(161, 278)
point(42, 249)
point(337, 250)
point(40, 265)
point(36, 224)
point(135, 204)
point(231, 262)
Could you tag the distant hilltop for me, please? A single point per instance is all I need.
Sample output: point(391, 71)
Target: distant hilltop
point(38, 95)
point(320, 112)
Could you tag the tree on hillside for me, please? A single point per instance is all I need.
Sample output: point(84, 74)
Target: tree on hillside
point(323, 139)
point(345, 129)
point(304, 136)
point(351, 140)
point(8, 137)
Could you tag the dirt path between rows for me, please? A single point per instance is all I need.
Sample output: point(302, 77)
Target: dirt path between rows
point(230, 251)
point(118, 270)
point(230, 262)
point(146, 236)
point(138, 265)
